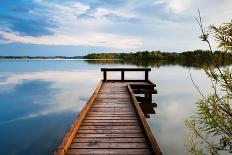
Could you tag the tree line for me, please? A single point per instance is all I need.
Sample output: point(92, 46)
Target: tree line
point(189, 57)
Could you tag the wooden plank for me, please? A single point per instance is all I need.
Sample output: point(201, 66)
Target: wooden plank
point(112, 117)
point(93, 114)
point(97, 145)
point(111, 113)
point(108, 91)
point(115, 98)
point(119, 85)
point(72, 132)
point(140, 91)
point(110, 85)
point(115, 88)
point(108, 120)
point(109, 109)
point(123, 95)
point(142, 85)
point(107, 131)
point(110, 135)
point(114, 103)
point(110, 140)
point(150, 135)
point(109, 151)
point(111, 127)
point(111, 123)
point(112, 110)
point(112, 96)
point(112, 106)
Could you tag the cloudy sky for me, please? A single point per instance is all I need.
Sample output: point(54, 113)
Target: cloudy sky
point(72, 27)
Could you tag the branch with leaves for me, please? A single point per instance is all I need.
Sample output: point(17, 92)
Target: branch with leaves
point(213, 123)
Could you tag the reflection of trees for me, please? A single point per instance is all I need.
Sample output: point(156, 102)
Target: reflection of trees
point(199, 63)
point(104, 62)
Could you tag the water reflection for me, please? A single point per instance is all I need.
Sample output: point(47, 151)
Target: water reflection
point(175, 103)
point(41, 93)
point(37, 108)
point(159, 63)
point(40, 99)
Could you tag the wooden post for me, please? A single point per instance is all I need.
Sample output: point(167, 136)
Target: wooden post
point(150, 98)
point(104, 76)
point(122, 75)
point(146, 75)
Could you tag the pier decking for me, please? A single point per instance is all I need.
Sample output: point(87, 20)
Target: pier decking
point(112, 121)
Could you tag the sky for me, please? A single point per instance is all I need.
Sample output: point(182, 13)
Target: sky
point(72, 27)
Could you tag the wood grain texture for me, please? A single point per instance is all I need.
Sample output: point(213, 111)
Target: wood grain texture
point(109, 151)
point(109, 140)
point(111, 127)
point(102, 117)
point(62, 149)
point(106, 131)
point(104, 135)
point(111, 124)
point(149, 133)
point(96, 145)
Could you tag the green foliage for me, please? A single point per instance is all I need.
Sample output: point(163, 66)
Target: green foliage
point(223, 35)
point(189, 58)
point(213, 124)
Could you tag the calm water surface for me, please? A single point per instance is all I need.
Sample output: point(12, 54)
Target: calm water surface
point(39, 100)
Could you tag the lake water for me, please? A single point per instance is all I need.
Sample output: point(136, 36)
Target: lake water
point(39, 100)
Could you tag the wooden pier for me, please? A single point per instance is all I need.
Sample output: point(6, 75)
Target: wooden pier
point(112, 121)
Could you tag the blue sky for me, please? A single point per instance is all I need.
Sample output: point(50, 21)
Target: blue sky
point(71, 27)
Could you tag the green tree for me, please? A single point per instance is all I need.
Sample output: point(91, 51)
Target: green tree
point(212, 126)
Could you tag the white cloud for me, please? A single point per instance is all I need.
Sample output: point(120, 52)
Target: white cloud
point(158, 2)
point(88, 39)
point(178, 6)
point(74, 30)
point(68, 97)
point(159, 24)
